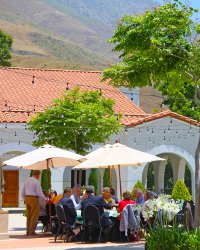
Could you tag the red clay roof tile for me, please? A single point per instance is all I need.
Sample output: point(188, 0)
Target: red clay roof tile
point(19, 97)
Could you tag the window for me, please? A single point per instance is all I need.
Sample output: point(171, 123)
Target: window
point(78, 177)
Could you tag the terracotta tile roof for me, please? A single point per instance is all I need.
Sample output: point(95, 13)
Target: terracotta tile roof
point(166, 113)
point(19, 98)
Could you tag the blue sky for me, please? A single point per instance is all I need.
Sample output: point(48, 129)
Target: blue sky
point(193, 3)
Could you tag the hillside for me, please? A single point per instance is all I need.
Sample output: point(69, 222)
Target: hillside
point(64, 33)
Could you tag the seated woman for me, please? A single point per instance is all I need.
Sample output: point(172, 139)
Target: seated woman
point(107, 196)
point(55, 197)
point(127, 199)
point(148, 195)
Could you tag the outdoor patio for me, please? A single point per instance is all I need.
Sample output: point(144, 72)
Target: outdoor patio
point(18, 239)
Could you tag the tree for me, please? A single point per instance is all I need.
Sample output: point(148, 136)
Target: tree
point(161, 48)
point(93, 180)
point(5, 46)
point(106, 178)
point(76, 121)
point(157, 48)
point(180, 191)
point(44, 180)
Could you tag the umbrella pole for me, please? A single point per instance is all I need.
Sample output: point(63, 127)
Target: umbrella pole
point(49, 187)
point(120, 181)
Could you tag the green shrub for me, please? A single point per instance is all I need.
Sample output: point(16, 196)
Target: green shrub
point(44, 180)
point(93, 180)
point(31, 173)
point(105, 178)
point(172, 238)
point(137, 185)
point(180, 191)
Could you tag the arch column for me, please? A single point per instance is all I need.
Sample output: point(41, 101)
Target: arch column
point(181, 169)
point(161, 176)
point(175, 161)
point(144, 175)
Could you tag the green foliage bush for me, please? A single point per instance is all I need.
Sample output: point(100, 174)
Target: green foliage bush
point(93, 180)
point(44, 180)
point(137, 185)
point(105, 178)
point(172, 238)
point(180, 191)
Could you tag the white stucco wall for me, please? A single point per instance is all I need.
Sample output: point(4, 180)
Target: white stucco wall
point(140, 137)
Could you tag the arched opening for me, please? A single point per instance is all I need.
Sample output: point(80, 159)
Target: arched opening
point(168, 178)
point(150, 177)
point(188, 178)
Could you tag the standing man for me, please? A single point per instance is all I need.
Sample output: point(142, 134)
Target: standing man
point(31, 193)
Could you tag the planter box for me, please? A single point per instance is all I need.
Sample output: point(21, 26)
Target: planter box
point(4, 225)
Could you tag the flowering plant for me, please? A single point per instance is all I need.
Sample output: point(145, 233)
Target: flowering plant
point(162, 207)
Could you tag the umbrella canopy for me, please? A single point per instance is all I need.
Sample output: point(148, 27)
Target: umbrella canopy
point(37, 159)
point(115, 155)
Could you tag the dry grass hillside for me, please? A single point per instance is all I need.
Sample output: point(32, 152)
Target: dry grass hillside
point(64, 33)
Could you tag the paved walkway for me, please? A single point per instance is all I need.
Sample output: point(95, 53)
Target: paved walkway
point(19, 241)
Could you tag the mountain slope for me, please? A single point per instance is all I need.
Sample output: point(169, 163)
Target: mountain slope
point(64, 33)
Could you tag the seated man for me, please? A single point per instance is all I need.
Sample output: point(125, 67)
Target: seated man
point(139, 196)
point(68, 206)
point(98, 201)
point(75, 197)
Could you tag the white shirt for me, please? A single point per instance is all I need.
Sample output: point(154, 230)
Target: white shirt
point(76, 205)
point(32, 187)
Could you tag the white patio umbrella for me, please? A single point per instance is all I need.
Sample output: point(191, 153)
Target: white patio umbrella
point(116, 156)
point(45, 157)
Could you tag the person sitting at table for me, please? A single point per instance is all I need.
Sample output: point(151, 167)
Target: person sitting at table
point(98, 201)
point(68, 206)
point(107, 196)
point(50, 206)
point(148, 195)
point(43, 217)
point(113, 195)
point(139, 196)
point(75, 197)
point(127, 199)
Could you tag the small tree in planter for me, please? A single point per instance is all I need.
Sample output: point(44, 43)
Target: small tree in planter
point(93, 180)
point(180, 191)
point(137, 185)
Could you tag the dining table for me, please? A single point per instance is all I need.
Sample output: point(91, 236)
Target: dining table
point(108, 212)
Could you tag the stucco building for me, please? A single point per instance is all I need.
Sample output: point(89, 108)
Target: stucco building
point(25, 92)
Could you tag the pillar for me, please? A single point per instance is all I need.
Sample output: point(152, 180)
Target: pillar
point(175, 161)
point(181, 169)
point(161, 176)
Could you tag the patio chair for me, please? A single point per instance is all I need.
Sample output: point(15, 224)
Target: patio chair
point(91, 221)
point(64, 227)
